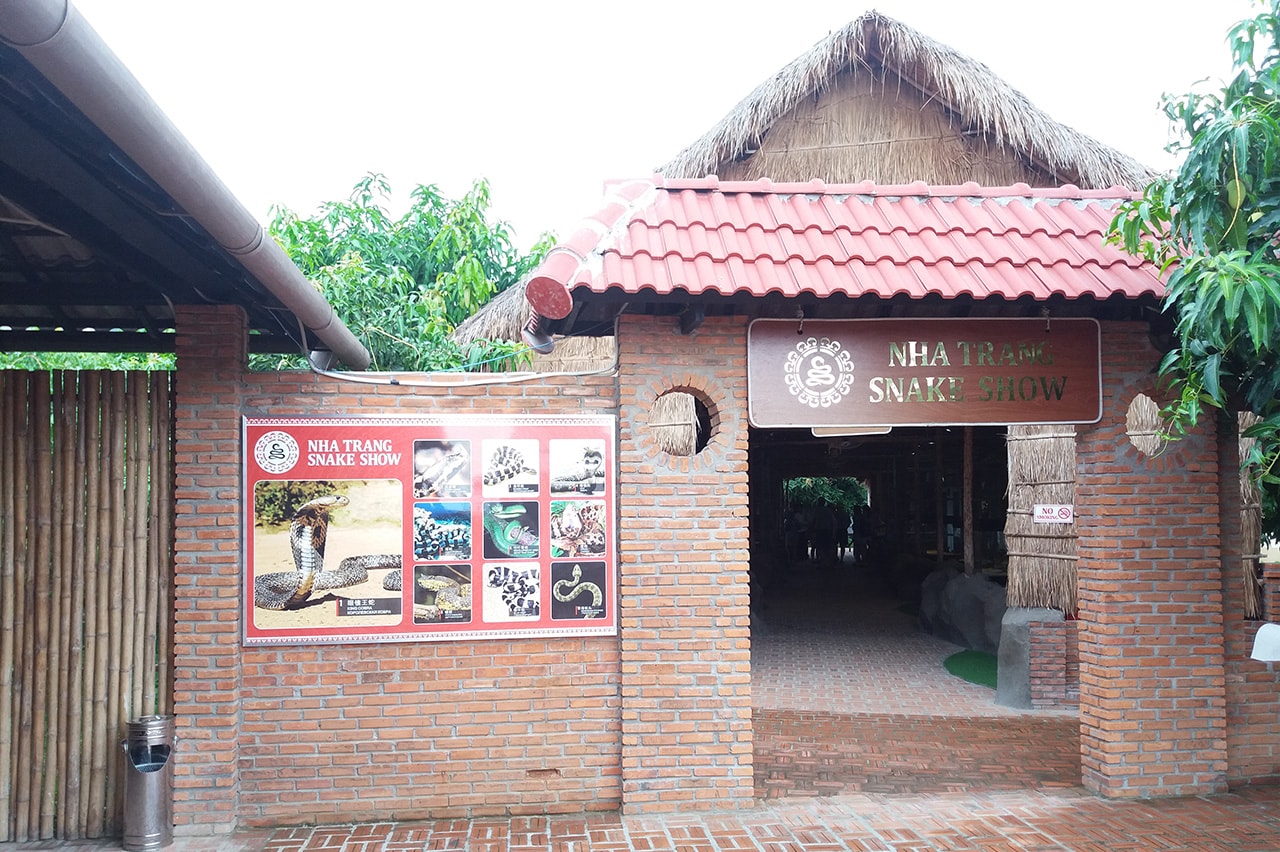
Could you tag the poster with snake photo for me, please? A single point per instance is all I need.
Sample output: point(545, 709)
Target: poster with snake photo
point(442, 594)
point(511, 530)
point(576, 467)
point(325, 552)
point(510, 467)
point(441, 469)
point(413, 528)
point(577, 590)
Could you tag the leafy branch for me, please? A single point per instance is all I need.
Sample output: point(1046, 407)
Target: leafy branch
point(403, 284)
point(1212, 227)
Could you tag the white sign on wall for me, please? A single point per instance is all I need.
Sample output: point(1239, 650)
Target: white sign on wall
point(1053, 513)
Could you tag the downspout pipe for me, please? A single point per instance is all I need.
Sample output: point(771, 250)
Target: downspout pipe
point(56, 39)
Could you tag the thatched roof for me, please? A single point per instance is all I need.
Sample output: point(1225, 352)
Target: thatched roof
point(970, 105)
point(976, 99)
point(500, 319)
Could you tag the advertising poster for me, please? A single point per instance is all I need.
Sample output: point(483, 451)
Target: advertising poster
point(425, 529)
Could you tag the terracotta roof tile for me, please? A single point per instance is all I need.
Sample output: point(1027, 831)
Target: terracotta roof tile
point(758, 237)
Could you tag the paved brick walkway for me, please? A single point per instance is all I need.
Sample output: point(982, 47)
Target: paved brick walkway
point(800, 754)
point(851, 698)
point(1022, 821)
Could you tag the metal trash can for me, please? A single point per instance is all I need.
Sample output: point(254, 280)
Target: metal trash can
point(148, 783)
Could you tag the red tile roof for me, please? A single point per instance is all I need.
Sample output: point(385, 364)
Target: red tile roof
point(758, 237)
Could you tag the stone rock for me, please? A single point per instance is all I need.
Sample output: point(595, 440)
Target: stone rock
point(962, 608)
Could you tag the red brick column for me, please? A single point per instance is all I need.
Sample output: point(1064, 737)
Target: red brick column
point(1152, 691)
point(686, 660)
point(211, 347)
point(1271, 591)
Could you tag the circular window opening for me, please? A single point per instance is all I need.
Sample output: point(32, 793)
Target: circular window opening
point(682, 423)
point(1145, 427)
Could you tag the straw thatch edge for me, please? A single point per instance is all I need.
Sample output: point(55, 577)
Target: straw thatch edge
point(980, 99)
point(1042, 557)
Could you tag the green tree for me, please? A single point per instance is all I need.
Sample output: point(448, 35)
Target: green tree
point(843, 492)
point(1212, 227)
point(151, 361)
point(402, 285)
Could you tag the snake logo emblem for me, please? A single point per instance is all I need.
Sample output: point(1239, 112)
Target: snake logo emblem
point(818, 372)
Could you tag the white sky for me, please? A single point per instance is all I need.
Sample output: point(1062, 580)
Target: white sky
point(292, 101)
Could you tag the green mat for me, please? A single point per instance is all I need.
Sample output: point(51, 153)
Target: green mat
point(974, 666)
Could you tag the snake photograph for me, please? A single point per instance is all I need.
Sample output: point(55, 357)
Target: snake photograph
point(510, 530)
point(582, 594)
point(308, 536)
point(442, 593)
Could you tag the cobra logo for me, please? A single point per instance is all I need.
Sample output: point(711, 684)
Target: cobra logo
point(818, 372)
point(276, 452)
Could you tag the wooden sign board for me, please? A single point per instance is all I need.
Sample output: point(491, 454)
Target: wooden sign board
point(923, 372)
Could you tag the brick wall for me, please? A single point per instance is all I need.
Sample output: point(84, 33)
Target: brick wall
point(1054, 663)
point(316, 733)
point(1152, 673)
point(686, 668)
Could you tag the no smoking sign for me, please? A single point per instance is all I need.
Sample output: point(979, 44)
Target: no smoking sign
point(1053, 513)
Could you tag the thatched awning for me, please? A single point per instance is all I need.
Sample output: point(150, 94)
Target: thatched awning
point(977, 99)
point(500, 319)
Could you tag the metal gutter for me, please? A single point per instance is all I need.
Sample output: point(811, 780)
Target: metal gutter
point(61, 45)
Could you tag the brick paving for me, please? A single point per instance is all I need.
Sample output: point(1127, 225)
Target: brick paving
point(1003, 821)
point(851, 698)
point(863, 743)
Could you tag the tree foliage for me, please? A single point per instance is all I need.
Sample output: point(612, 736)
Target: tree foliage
point(842, 492)
point(150, 361)
point(1212, 227)
point(403, 284)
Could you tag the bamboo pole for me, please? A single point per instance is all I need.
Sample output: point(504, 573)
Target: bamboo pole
point(99, 434)
point(69, 809)
point(136, 520)
point(40, 579)
point(162, 494)
point(145, 645)
point(115, 596)
point(24, 602)
point(970, 563)
point(939, 497)
point(64, 488)
point(43, 580)
point(12, 394)
point(55, 745)
point(129, 587)
point(147, 511)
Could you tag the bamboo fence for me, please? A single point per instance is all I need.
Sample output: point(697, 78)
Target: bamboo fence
point(86, 504)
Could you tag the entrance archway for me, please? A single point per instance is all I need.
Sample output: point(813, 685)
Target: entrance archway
point(849, 692)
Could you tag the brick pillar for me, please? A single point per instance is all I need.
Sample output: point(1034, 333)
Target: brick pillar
point(1152, 675)
point(685, 628)
point(211, 346)
point(1271, 591)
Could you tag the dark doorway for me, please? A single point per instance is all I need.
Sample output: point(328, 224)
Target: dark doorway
point(849, 694)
